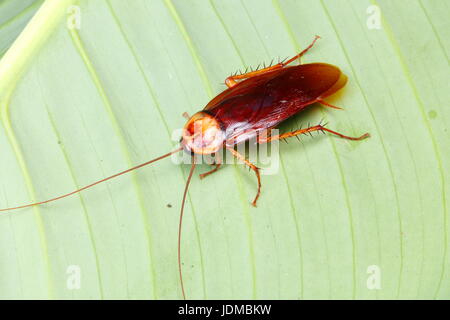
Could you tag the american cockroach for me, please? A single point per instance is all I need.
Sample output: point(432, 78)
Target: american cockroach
point(253, 102)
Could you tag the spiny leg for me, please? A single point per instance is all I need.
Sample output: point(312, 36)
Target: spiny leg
point(253, 167)
point(318, 127)
point(302, 53)
point(232, 80)
point(217, 163)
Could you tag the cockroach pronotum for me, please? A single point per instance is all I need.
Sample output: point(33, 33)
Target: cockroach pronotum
point(253, 102)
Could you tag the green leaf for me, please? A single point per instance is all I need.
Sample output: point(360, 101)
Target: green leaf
point(80, 104)
point(14, 15)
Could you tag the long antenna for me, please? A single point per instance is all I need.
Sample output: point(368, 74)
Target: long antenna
point(95, 183)
point(181, 223)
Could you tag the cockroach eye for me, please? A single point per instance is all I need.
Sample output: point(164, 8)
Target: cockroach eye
point(202, 134)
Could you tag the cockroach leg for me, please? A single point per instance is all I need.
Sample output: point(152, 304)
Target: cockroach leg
point(251, 166)
point(232, 80)
point(298, 56)
point(329, 105)
point(309, 130)
point(217, 163)
point(217, 166)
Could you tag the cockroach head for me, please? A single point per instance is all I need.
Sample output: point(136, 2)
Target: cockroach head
point(202, 134)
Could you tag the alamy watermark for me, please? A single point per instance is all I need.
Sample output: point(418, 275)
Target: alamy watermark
point(73, 17)
point(73, 281)
point(374, 277)
point(374, 17)
point(254, 146)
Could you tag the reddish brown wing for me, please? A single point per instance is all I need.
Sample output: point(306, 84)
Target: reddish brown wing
point(263, 101)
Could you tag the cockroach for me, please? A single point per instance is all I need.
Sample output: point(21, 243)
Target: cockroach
point(253, 102)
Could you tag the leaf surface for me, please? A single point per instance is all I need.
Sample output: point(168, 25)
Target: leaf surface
point(79, 104)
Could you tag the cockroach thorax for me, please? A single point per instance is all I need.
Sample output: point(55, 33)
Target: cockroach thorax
point(202, 134)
